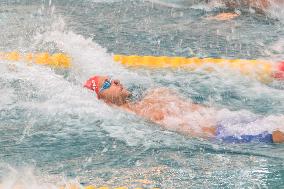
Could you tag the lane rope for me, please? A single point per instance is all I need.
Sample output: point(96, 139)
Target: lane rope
point(57, 60)
point(102, 187)
point(264, 70)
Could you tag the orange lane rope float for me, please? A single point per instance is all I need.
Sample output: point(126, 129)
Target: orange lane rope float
point(57, 60)
point(261, 68)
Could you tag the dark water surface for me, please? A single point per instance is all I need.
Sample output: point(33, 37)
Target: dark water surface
point(52, 130)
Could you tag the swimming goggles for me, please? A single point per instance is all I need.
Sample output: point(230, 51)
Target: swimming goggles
point(106, 85)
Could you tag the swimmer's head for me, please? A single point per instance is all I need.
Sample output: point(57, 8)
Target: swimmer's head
point(107, 89)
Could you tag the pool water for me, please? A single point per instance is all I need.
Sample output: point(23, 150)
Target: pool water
point(53, 131)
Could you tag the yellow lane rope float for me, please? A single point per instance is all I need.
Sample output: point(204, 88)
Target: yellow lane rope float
point(57, 60)
point(261, 68)
point(76, 186)
point(94, 187)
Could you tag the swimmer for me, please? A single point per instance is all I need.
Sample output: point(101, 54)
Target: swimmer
point(260, 6)
point(165, 108)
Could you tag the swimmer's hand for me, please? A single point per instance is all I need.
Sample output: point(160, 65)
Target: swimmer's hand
point(278, 137)
point(223, 16)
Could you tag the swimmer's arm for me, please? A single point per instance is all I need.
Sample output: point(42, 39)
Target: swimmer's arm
point(153, 113)
point(223, 16)
point(206, 132)
point(163, 95)
point(209, 131)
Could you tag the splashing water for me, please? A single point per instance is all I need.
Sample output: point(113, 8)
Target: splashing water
point(54, 131)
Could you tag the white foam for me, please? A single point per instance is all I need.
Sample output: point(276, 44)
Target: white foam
point(165, 3)
point(276, 10)
point(88, 58)
point(246, 123)
point(8, 98)
point(27, 178)
point(63, 96)
point(276, 50)
point(210, 6)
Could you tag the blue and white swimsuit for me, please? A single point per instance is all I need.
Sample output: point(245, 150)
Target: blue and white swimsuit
point(262, 137)
point(244, 129)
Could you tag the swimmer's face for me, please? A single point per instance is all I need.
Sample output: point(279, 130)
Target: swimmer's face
point(115, 94)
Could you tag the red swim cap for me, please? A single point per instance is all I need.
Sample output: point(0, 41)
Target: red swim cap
point(93, 84)
point(279, 74)
point(281, 66)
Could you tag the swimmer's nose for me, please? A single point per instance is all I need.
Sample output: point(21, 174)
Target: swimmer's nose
point(116, 82)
